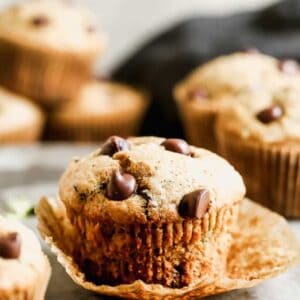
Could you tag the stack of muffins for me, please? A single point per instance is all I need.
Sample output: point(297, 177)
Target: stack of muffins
point(246, 107)
point(47, 52)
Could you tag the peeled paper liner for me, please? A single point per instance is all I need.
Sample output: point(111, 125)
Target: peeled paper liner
point(263, 247)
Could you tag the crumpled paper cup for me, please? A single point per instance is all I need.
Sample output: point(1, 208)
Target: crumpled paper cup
point(263, 247)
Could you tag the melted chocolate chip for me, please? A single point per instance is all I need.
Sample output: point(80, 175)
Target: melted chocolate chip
point(91, 29)
point(40, 21)
point(114, 144)
point(194, 204)
point(177, 145)
point(270, 114)
point(289, 66)
point(252, 50)
point(198, 94)
point(120, 186)
point(10, 246)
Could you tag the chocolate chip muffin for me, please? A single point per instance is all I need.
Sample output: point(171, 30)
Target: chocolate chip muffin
point(20, 120)
point(25, 270)
point(262, 142)
point(151, 209)
point(218, 84)
point(101, 109)
point(47, 49)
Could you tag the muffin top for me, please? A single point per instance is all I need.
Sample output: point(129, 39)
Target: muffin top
point(16, 112)
point(21, 257)
point(100, 99)
point(54, 24)
point(273, 118)
point(230, 74)
point(148, 179)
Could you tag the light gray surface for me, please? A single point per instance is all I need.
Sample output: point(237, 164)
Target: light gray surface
point(33, 171)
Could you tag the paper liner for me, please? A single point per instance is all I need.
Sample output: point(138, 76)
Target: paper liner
point(199, 123)
point(89, 128)
point(26, 134)
point(35, 290)
point(263, 247)
point(271, 172)
point(170, 253)
point(45, 75)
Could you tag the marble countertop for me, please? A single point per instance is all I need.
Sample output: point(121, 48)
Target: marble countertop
point(33, 171)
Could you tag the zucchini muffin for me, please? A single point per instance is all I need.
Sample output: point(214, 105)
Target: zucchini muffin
point(101, 109)
point(153, 209)
point(213, 86)
point(24, 269)
point(47, 49)
point(263, 142)
point(20, 120)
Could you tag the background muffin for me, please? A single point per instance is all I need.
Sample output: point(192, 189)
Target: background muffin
point(151, 209)
point(262, 142)
point(100, 109)
point(47, 49)
point(20, 120)
point(25, 270)
point(210, 87)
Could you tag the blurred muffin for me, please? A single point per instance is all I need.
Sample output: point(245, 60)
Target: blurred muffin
point(24, 269)
point(263, 142)
point(207, 90)
point(99, 110)
point(151, 209)
point(20, 120)
point(47, 49)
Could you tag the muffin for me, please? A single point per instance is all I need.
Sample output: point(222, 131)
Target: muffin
point(20, 120)
point(151, 209)
point(209, 88)
point(263, 142)
point(47, 49)
point(25, 270)
point(100, 110)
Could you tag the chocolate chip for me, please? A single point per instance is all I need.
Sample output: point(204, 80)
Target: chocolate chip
point(40, 21)
point(198, 94)
point(270, 114)
point(120, 186)
point(10, 246)
point(289, 66)
point(91, 29)
point(177, 145)
point(252, 50)
point(194, 204)
point(114, 144)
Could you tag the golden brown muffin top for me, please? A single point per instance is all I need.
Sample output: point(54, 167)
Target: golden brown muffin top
point(271, 118)
point(16, 112)
point(22, 261)
point(149, 179)
point(51, 24)
point(101, 99)
point(231, 74)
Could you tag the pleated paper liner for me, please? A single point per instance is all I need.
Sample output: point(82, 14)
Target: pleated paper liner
point(256, 254)
point(46, 75)
point(270, 171)
point(170, 253)
point(88, 128)
point(199, 122)
point(27, 134)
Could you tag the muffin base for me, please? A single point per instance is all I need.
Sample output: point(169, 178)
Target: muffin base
point(45, 75)
point(173, 254)
point(270, 171)
point(244, 268)
point(199, 123)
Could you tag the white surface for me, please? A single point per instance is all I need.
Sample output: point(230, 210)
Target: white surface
point(129, 23)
